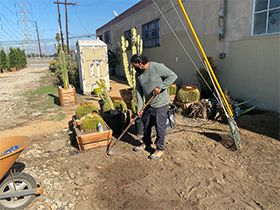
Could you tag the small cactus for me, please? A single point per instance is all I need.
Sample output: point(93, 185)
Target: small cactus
point(85, 108)
point(172, 89)
point(118, 105)
point(89, 122)
point(101, 83)
point(188, 93)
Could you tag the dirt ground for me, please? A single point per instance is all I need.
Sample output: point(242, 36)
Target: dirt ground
point(201, 168)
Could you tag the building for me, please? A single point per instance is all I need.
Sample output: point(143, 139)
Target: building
point(243, 37)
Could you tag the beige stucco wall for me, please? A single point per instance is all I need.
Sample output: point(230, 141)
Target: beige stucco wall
point(251, 67)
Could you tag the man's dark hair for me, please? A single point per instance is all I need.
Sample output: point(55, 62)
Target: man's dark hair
point(137, 58)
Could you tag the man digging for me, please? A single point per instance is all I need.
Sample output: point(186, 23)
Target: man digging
point(152, 79)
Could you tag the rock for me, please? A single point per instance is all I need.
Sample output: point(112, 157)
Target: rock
point(55, 145)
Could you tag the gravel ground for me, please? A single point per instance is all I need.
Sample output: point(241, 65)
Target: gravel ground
point(12, 101)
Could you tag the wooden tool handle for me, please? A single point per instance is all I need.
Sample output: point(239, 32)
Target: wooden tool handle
point(132, 121)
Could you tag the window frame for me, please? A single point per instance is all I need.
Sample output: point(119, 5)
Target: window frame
point(143, 33)
point(267, 10)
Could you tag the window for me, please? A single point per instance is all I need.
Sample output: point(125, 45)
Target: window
point(100, 37)
point(266, 18)
point(151, 34)
point(127, 36)
point(107, 37)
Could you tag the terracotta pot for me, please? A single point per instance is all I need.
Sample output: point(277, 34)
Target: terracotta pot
point(13, 69)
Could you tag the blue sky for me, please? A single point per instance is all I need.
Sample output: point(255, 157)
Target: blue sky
point(83, 20)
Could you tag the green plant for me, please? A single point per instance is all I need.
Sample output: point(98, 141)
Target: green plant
point(112, 59)
point(85, 108)
point(12, 56)
point(3, 59)
point(100, 96)
point(64, 70)
point(102, 84)
point(188, 93)
point(136, 48)
point(172, 89)
point(133, 106)
point(205, 74)
point(89, 122)
point(118, 105)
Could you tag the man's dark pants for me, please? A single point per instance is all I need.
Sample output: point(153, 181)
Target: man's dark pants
point(155, 117)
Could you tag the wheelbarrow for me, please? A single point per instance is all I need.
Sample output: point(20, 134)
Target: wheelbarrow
point(17, 189)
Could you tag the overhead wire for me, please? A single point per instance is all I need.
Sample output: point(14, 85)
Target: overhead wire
point(220, 102)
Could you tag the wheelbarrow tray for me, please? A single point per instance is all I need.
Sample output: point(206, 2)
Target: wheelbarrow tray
point(8, 160)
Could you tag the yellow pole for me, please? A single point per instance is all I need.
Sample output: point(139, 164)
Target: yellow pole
point(204, 56)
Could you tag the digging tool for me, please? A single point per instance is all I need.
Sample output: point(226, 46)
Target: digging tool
point(111, 152)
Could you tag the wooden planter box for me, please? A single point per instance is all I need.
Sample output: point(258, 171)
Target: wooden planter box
point(67, 96)
point(87, 140)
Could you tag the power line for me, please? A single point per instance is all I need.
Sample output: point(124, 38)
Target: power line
point(80, 21)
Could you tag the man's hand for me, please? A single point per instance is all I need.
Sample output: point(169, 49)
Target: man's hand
point(139, 113)
point(156, 91)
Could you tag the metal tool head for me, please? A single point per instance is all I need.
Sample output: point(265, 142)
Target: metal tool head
point(111, 152)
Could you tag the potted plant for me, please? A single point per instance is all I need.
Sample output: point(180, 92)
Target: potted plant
point(112, 116)
point(92, 132)
point(136, 48)
point(67, 93)
point(187, 95)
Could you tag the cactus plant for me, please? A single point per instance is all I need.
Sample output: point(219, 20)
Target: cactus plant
point(89, 122)
point(64, 69)
point(118, 105)
point(85, 108)
point(188, 93)
point(136, 48)
point(101, 83)
point(172, 89)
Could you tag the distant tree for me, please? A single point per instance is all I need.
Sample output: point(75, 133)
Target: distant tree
point(57, 38)
point(23, 58)
point(12, 55)
point(3, 59)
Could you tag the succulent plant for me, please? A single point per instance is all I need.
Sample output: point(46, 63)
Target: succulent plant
point(118, 105)
point(101, 83)
point(89, 122)
point(172, 89)
point(64, 69)
point(188, 93)
point(85, 108)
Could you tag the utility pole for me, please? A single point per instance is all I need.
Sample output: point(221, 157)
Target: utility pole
point(38, 40)
point(59, 20)
point(65, 3)
point(66, 21)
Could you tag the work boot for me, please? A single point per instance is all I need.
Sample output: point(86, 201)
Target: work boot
point(142, 147)
point(157, 154)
